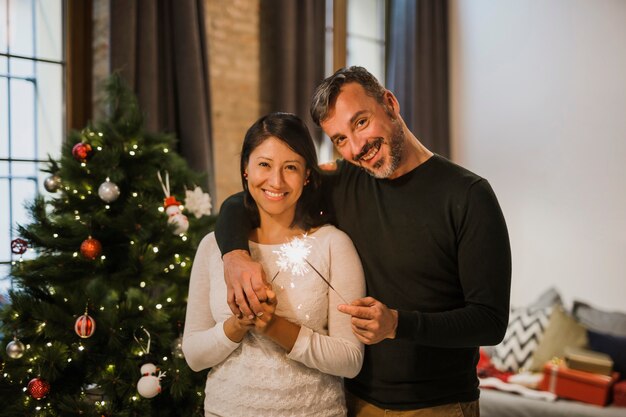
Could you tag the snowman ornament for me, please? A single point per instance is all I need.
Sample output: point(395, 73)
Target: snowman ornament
point(175, 217)
point(149, 384)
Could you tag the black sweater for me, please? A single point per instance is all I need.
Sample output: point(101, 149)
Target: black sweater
point(434, 246)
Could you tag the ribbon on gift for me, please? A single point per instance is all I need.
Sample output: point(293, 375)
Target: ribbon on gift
point(554, 372)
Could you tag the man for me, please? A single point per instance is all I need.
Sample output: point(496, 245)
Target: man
point(434, 247)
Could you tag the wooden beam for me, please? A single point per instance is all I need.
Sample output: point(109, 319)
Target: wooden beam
point(340, 32)
point(79, 63)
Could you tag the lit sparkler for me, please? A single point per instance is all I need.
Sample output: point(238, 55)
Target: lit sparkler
point(293, 256)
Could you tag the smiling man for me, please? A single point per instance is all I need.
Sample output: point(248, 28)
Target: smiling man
point(434, 247)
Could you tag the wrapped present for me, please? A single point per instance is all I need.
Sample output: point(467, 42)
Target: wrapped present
point(588, 361)
point(619, 394)
point(577, 385)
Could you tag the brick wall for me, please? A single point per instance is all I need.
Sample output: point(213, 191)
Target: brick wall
point(233, 41)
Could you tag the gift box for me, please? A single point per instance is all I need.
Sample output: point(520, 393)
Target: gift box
point(588, 361)
point(577, 385)
point(619, 394)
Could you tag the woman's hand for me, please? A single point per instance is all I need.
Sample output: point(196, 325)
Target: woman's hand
point(236, 328)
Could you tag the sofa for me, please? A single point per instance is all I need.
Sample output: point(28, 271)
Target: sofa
point(538, 334)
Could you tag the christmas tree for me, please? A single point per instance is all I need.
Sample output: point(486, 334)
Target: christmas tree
point(94, 322)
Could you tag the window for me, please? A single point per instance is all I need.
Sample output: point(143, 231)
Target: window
point(355, 35)
point(32, 74)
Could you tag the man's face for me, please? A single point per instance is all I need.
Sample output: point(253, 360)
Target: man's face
point(365, 132)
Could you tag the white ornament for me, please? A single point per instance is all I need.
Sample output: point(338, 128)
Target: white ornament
point(179, 222)
point(149, 384)
point(172, 208)
point(198, 202)
point(108, 191)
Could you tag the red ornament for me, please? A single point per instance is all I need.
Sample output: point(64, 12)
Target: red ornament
point(81, 151)
point(38, 388)
point(85, 326)
point(90, 248)
point(19, 246)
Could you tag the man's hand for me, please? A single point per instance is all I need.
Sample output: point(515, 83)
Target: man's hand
point(245, 284)
point(372, 321)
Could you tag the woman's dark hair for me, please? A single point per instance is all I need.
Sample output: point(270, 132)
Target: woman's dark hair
point(292, 131)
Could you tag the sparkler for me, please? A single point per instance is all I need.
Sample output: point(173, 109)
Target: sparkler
point(293, 256)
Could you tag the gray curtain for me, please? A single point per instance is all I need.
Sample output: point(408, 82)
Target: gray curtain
point(159, 47)
point(417, 68)
point(292, 56)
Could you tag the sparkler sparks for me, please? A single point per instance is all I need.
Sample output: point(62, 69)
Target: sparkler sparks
point(293, 256)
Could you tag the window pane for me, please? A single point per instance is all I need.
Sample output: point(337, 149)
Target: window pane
point(5, 235)
point(24, 191)
point(49, 110)
point(4, 119)
point(22, 127)
point(4, 30)
point(21, 28)
point(48, 17)
point(366, 18)
point(24, 68)
point(5, 283)
point(367, 54)
point(24, 169)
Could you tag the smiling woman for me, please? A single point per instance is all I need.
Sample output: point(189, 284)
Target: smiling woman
point(279, 164)
point(275, 176)
point(300, 342)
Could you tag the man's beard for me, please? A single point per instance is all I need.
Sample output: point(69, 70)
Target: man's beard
point(383, 169)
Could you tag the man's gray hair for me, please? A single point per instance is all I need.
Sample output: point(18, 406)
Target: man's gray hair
point(327, 91)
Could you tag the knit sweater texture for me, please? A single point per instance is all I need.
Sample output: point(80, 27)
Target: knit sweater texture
point(256, 376)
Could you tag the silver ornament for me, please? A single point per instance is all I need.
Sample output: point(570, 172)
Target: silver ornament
point(52, 183)
point(108, 191)
point(15, 349)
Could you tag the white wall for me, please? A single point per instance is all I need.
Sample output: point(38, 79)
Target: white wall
point(538, 96)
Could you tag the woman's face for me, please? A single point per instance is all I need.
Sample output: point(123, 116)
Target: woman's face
point(276, 176)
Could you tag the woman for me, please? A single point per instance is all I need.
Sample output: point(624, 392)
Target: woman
point(289, 360)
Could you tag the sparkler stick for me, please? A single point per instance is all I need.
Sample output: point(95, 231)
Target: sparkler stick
point(326, 281)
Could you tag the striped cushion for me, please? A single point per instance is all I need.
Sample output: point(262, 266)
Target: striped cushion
point(523, 334)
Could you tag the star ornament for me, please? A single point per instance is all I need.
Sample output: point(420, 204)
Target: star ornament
point(198, 202)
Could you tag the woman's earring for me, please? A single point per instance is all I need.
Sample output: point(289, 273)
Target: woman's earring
point(306, 181)
point(245, 175)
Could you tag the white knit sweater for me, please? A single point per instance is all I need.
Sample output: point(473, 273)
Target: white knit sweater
point(257, 377)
